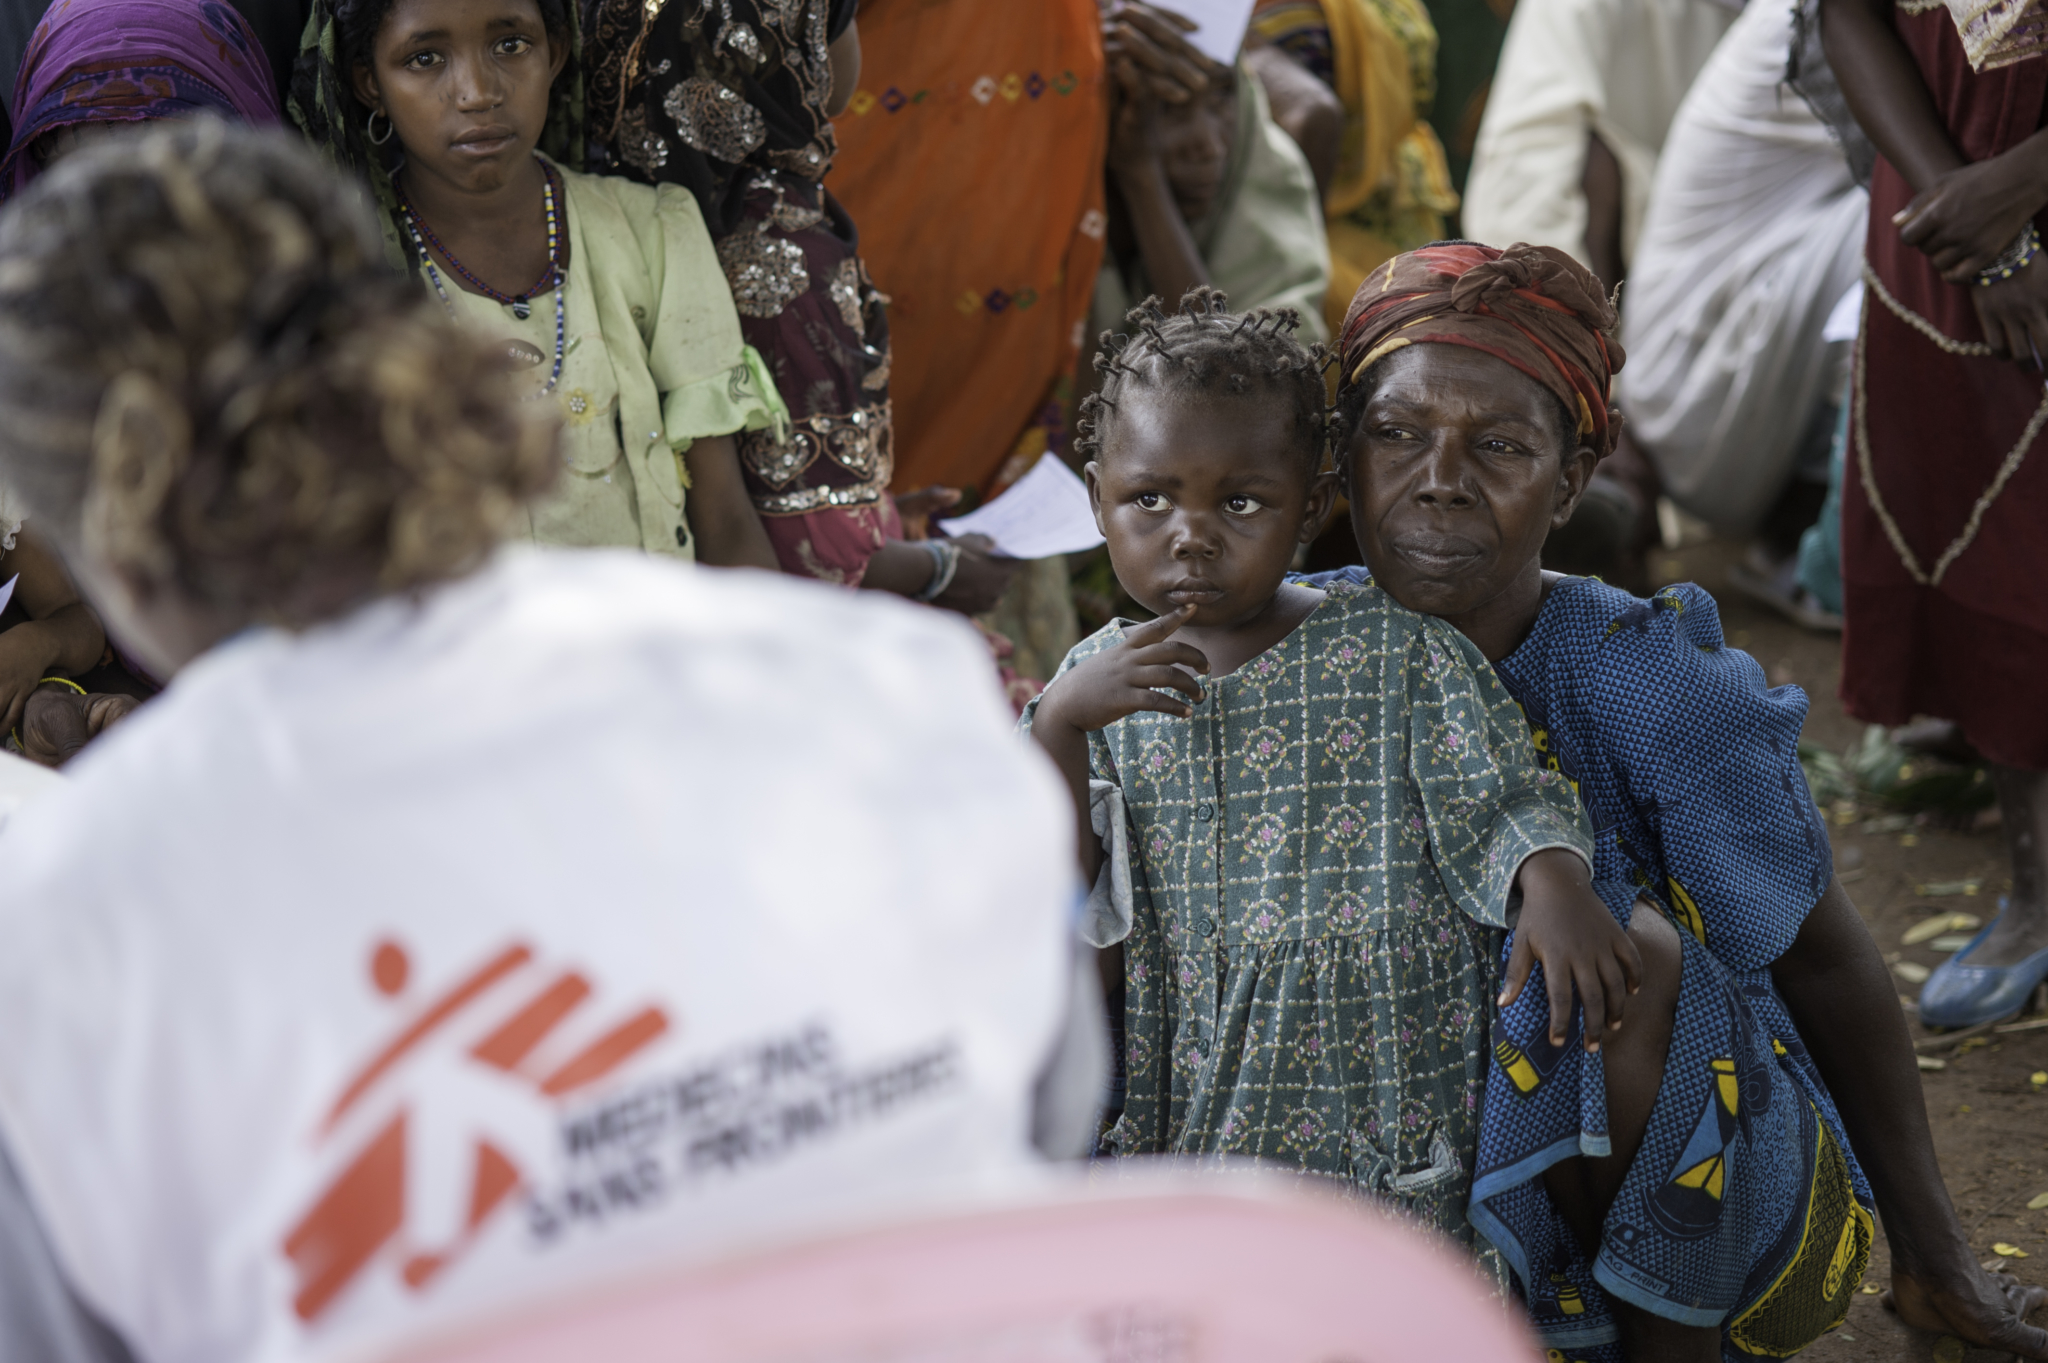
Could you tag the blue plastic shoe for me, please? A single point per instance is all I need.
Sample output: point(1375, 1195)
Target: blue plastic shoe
point(1959, 995)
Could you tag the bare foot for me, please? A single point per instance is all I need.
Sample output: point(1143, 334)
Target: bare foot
point(1979, 1307)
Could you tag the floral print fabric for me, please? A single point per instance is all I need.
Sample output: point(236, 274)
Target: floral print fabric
point(1323, 855)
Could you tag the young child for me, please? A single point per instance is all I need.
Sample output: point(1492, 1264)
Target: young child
point(1326, 798)
point(1766, 1067)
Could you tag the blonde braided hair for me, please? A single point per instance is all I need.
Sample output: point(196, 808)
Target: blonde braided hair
point(208, 372)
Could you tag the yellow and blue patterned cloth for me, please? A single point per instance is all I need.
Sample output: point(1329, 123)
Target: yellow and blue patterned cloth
point(1744, 1208)
point(1322, 858)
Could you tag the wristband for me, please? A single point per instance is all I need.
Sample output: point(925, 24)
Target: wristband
point(2012, 259)
point(945, 564)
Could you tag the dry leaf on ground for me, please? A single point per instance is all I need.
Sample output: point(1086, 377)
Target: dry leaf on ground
point(1939, 924)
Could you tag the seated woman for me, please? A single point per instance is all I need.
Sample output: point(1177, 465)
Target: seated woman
point(1384, 182)
point(734, 102)
point(341, 838)
point(1206, 189)
point(1710, 1179)
point(93, 65)
point(604, 296)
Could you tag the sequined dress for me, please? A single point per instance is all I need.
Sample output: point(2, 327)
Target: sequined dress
point(1321, 859)
point(727, 98)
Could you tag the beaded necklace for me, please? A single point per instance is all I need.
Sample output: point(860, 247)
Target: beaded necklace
point(521, 307)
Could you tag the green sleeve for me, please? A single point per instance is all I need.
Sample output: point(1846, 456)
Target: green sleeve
point(711, 381)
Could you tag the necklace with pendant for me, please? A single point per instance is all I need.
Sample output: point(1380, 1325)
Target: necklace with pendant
point(556, 276)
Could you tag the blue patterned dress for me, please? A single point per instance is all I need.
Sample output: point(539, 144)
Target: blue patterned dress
point(1745, 1207)
point(1321, 859)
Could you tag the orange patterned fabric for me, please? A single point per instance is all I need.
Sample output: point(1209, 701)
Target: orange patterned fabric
point(971, 157)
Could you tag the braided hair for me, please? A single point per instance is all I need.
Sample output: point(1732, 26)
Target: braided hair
point(208, 372)
point(1208, 351)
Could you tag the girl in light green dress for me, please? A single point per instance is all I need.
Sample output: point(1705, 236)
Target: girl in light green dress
point(607, 296)
point(1313, 804)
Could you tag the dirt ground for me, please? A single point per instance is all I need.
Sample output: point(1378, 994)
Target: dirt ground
point(1990, 1119)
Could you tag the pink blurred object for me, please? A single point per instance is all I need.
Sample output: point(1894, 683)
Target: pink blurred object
point(1181, 1273)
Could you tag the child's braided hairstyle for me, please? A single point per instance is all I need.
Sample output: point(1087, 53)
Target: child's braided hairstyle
point(208, 371)
point(1207, 350)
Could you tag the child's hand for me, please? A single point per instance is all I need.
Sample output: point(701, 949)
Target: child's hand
point(1568, 928)
point(1149, 52)
point(1119, 681)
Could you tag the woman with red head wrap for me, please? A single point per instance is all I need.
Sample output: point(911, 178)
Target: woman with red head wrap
point(1725, 1205)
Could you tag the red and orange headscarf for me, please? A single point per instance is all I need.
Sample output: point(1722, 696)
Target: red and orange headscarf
point(1533, 306)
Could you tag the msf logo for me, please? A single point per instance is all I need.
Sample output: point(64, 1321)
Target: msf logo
point(499, 1049)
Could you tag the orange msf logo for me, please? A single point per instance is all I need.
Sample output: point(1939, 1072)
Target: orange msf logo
point(362, 1211)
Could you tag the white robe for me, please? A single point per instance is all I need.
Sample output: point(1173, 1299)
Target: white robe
point(1567, 68)
point(1755, 230)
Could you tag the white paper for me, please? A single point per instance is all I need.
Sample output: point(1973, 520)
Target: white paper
point(7, 590)
point(1223, 23)
point(1043, 513)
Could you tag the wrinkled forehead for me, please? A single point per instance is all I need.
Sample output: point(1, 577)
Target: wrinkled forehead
point(1446, 384)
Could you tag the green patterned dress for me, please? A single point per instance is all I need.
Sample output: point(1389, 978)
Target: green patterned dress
point(1320, 862)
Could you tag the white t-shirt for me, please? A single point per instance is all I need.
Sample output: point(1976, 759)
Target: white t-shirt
point(1754, 233)
point(21, 781)
point(592, 913)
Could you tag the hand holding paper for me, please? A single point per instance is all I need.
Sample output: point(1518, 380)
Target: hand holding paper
point(1221, 26)
point(1045, 512)
point(1164, 47)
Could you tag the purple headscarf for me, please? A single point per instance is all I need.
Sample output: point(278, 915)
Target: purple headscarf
point(126, 61)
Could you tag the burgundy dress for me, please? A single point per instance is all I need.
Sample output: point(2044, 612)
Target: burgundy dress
point(1945, 618)
point(728, 98)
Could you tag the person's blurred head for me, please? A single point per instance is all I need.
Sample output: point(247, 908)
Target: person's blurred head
point(224, 407)
point(464, 83)
point(96, 66)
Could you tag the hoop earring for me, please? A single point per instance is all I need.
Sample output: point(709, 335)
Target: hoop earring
point(370, 128)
